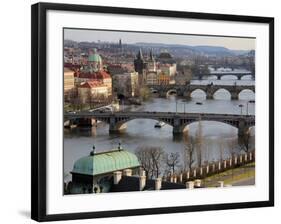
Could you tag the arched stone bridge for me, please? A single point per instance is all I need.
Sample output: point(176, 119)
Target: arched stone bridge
point(210, 90)
point(177, 120)
point(219, 74)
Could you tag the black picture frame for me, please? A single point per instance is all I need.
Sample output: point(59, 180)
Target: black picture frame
point(39, 122)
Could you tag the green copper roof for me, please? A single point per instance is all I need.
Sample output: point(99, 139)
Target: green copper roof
point(105, 162)
point(94, 58)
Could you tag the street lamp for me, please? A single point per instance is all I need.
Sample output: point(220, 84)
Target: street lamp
point(241, 107)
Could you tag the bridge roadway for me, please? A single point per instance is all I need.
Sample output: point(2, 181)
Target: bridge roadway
point(209, 89)
point(177, 120)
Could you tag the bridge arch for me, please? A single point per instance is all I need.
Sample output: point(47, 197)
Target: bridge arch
point(152, 90)
point(211, 129)
point(217, 94)
point(172, 91)
point(198, 91)
point(229, 77)
point(121, 124)
point(242, 94)
point(231, 123)
point(246, 77)
point(208, 77)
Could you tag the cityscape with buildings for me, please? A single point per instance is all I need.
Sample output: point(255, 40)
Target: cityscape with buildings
point(146, 111)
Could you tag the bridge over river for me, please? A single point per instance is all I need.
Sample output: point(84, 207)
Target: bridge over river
point(178, 121)
point(219, 74)
point(209, 89)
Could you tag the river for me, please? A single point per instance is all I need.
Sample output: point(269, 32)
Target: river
point(78, 142)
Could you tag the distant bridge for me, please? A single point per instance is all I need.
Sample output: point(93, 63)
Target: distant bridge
point(177, 120)
point(210, 90)
point(220, 74)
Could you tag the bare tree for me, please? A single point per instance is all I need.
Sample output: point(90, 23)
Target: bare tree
point(151, 158)
point(157, 154)
point(172, 161)
point(188, 152)
point(143, 156)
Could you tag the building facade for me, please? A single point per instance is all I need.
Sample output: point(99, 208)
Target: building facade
point(69, 86)
point(125, 84)
point(93, 71)
point(91, 91)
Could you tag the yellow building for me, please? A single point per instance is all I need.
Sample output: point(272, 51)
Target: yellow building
point(163, 79)
point(68, 83)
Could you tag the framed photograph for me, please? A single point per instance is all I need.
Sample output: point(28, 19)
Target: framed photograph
point(139, 111)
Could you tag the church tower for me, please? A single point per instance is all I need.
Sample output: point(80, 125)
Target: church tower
point(151, 64)
point(139, 63)
point(140, 66)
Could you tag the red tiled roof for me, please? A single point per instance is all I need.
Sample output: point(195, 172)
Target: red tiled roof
point(103, 75)
point(96, 75)
point(92, 84)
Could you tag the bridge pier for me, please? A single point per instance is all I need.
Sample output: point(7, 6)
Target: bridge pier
point(177, 133)
point(187, 95)
point(177, 129)
point(242, 129)
point(160, 93)
point(209, 95)
point(84, 122)
point(234, 95)
point(113, 127)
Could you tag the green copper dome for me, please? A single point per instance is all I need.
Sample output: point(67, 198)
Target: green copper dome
point(105, 162)
point(94, 57)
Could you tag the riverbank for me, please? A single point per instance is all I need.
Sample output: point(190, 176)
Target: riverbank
point(244, 175)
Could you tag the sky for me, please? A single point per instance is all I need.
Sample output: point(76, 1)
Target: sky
point(233, 43)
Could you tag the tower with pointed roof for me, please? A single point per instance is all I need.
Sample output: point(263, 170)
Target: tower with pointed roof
point(151, 64)
point(139, 62)
point(140, 65)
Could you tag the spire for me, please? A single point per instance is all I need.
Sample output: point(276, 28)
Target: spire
point(139, 55)
point(151, 55)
